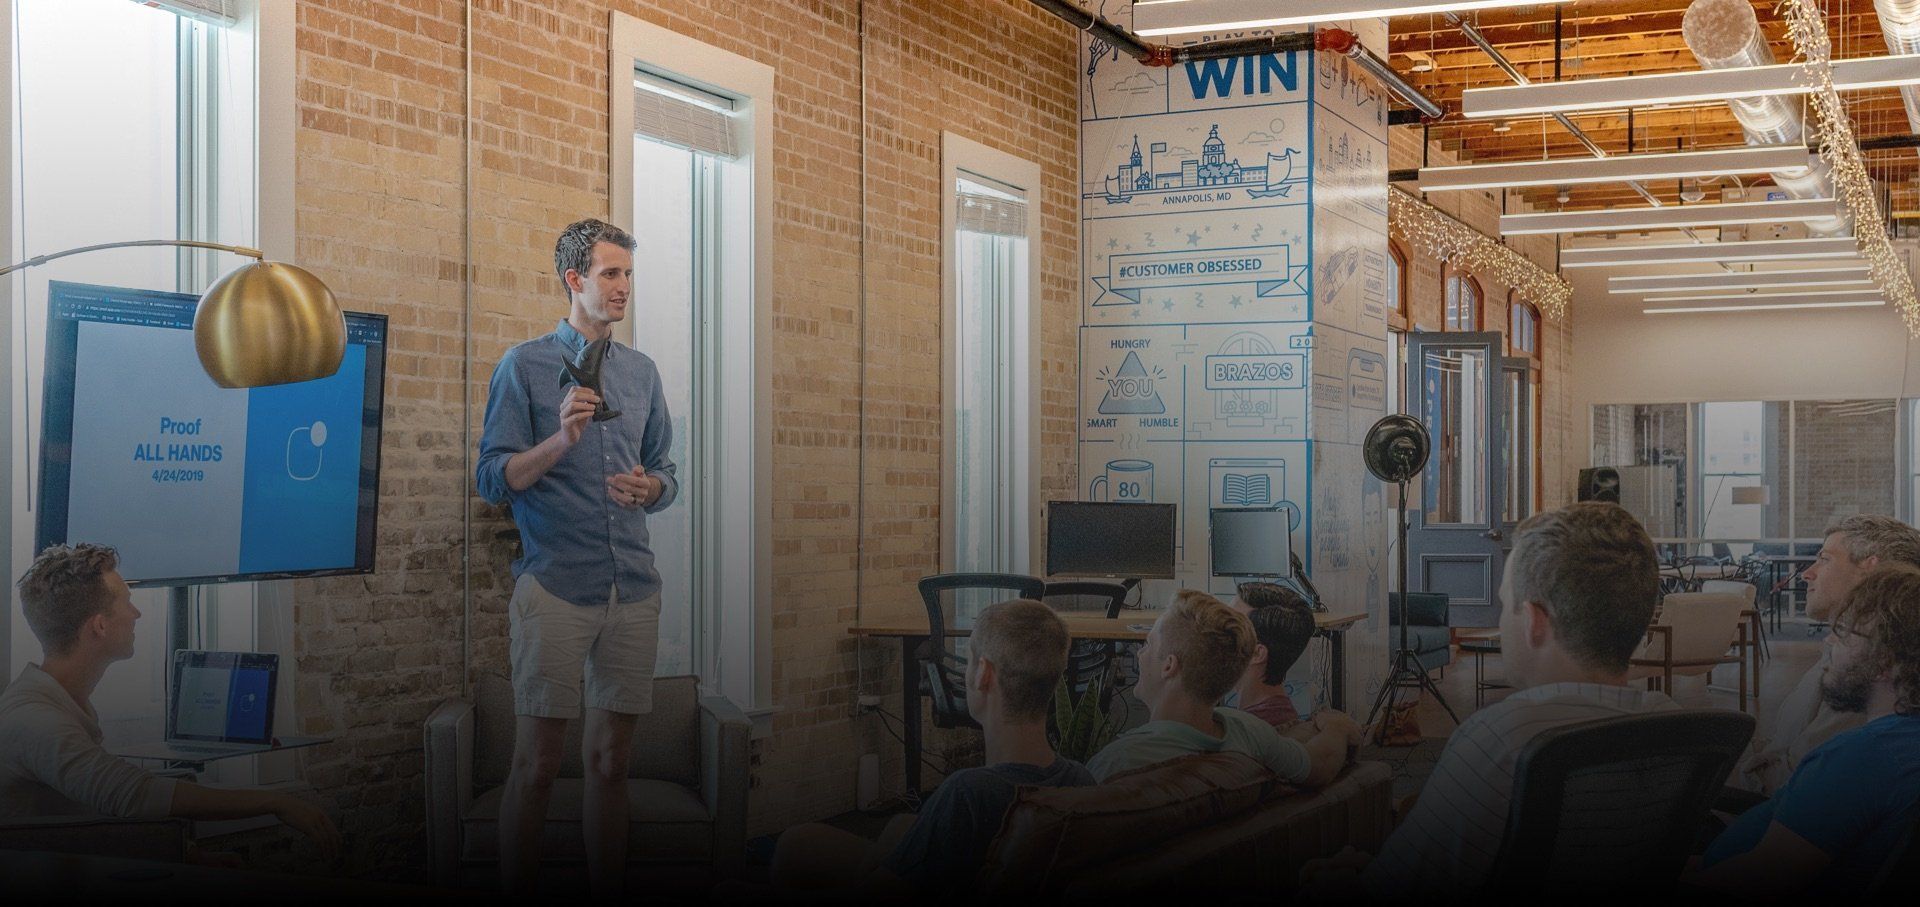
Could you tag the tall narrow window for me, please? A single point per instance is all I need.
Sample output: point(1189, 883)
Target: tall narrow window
point(690, 174)
point(1462, 303)
point(1523, 331)
point(176, 158)
point(1398, 316)
point(682, 137)
point(990, 269)
point(990, 331)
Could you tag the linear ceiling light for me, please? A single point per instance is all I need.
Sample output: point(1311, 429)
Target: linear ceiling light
point(1710, 252)
point(1692, 87)
point(1663, 283)
point(1158, 18)
point(1568, 172)
point(1859, 292)
point(1629, 219)
point(1683, 310)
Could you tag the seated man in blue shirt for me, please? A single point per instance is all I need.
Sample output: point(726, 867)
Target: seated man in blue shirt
point(1850, 804)
point(1014, 661)
point(1194, 655)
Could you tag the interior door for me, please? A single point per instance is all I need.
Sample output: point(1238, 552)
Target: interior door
point(1456, 541)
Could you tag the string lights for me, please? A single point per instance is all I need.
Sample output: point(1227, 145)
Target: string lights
point(1807, 26)
point(1438, 234)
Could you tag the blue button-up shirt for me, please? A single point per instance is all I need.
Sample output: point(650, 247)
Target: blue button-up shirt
point(577, 541)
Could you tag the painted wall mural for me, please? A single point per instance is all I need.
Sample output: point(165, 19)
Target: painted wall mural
point(1233, 321)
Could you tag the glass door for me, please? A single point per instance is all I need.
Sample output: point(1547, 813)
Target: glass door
point(1456, 540)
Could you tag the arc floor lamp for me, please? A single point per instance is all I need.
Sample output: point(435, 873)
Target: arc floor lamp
point(265, 323)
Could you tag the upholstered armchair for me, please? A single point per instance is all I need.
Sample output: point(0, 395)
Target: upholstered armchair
point(687, 786)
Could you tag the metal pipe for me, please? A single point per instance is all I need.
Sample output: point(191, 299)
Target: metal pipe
point(1346, 44)
point(1499, 59)
point(1722, 34)
point(1900, 24)
point(467, 440)
point(39, 260)
point(1100, 28)
point(1162, 55)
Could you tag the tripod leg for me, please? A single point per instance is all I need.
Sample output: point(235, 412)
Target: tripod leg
point(1428, 684)
point(1384, 697)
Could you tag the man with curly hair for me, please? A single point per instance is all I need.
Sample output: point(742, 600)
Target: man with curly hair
point(1848, 808)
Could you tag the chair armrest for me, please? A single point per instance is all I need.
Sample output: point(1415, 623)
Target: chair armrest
point(163, 839)
point(1648, 655)
point(449, 748)
point(725, 775)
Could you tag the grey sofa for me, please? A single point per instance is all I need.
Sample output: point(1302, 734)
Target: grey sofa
point(687, 786)
point(1208, 825)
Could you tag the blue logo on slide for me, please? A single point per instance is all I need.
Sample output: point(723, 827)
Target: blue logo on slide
point(301, 505)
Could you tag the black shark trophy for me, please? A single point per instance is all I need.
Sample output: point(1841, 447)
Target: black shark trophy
point(585, 371)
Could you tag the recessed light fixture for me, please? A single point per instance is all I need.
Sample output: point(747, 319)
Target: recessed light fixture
point(1692, 87)
point(1710, 252)
point(1806, 277)
point(1698, 309)
point(1502, 126)
point(1159, 18)
point(1851, 292)
point(1631, 219)
point(1614, 169)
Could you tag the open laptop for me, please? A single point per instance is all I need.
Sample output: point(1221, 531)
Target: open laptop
point(221, 705)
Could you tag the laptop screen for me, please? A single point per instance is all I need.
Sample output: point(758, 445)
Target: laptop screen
point(224, 697)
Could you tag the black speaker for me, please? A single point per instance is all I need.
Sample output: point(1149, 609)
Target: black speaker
point(1600, 483)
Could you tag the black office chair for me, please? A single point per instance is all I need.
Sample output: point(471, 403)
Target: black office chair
point(1615, 804)
point(1089, 660)
point(952, 599)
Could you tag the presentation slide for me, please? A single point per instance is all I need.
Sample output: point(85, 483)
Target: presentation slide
point(203, 697)
point(192, 481)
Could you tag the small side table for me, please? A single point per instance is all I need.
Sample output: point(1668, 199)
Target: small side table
point(1480, 648)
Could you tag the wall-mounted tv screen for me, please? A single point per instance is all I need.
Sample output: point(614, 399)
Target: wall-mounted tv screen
point(193, 482)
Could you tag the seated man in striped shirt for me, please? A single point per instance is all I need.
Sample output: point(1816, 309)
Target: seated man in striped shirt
point(1579, 592)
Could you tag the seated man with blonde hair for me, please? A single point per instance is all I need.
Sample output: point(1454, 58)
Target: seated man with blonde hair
point(1194, 655)
point(1014, 660)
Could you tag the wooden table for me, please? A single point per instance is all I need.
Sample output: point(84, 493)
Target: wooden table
point(911, 629)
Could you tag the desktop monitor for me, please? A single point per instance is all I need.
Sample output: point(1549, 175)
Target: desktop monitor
point(1101, 539)
point(1250, 542)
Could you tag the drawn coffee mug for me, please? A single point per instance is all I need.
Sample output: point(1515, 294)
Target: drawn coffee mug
point(1128, 481)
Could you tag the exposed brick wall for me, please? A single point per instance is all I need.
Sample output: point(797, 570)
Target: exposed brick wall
point(379, 219)
point(1481, 211)
point(1844, 462)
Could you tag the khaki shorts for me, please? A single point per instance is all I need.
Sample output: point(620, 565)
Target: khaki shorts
point(555, 640)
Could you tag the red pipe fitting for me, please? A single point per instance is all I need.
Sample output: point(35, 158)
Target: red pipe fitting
point(1337, 40)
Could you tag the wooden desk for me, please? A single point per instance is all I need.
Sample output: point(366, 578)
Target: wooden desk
point(911, 629)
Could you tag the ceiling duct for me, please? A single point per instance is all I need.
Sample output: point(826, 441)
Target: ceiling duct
point(1724, 34)
point(1900, 22)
